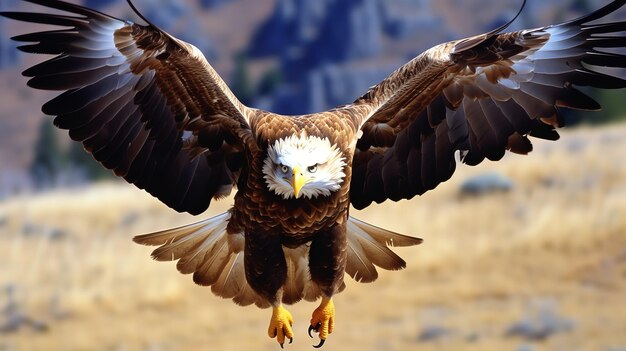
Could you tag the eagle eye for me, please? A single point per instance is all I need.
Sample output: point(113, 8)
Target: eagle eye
point(284, 169)
point(312, 169)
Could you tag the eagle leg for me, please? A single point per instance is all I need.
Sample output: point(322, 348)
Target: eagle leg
point(280, 325)
point(327, 265)
point(266, 273)
point(323, 320)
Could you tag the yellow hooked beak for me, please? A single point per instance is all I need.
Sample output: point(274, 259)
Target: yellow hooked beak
point(297, 181)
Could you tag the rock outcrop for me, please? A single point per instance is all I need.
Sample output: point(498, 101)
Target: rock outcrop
point(328, 50)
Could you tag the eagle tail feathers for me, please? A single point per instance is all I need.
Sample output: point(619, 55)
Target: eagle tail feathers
point(298, 285)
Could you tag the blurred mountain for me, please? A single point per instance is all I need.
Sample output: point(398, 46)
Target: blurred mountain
point(98, 3)
point(329, 52)
point(289, 56)
point(8, 54)
point(313, 33)
point(211, 4)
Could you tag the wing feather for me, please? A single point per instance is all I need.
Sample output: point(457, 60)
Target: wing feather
point(132, 95)
point(214, 257)
point(480, 96)
point(368, 247)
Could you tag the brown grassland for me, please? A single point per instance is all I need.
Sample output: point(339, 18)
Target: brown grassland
point(552, 250)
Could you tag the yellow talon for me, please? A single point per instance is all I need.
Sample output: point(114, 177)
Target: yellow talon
point(323, 320)
point(280, 325)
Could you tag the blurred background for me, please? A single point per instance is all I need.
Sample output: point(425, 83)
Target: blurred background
point(525, 254)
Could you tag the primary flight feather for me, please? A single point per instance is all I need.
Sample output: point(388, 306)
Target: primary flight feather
point(152, 109)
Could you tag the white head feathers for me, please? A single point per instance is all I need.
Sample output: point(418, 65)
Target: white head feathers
point(318, 162)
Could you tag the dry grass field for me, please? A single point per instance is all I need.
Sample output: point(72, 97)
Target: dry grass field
point(541, 267)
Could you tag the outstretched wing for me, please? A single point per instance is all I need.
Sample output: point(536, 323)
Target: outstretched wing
point(479, 96)
point(146, 105)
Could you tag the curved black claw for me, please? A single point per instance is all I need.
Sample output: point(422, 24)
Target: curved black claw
point(320, 344)
point(315, 329)
point(282, 346)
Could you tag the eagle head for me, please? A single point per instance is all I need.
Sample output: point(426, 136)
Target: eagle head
point(303, 166)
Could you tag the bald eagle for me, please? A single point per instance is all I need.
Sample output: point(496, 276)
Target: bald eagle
point(151, 108)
